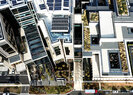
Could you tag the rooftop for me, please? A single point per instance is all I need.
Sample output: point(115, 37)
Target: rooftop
point(58, 33)
point(106, 21)
point(52, 5)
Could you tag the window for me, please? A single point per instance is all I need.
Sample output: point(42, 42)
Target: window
point(22, 9)
point(7, 48)
point(57, 50)
point(67, 50)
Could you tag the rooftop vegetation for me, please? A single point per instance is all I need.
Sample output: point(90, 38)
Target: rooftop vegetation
point(123, 57)
point(11, 89)
point(84, 18)
point(122, 7)
point(117, 86)
point(90, 85)
point(86, 39)
point(93, 16)
point(51, 89)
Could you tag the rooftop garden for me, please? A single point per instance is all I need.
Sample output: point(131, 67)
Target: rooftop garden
point(84, 18)
point(117, 86)
point(11, 89)
point(92, 85)
point(93, 16)
point(122, 7)
point(63, 70)
point(123, 57)
point(59, 61)
point(87, 67)
point(86, 39)
point(51, 89)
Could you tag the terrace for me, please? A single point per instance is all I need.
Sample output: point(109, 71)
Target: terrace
point(93, 16)
point(122, 7)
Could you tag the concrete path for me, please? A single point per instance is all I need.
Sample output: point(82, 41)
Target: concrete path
point(78, 74)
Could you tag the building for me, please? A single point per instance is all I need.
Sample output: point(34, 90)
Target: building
point(55, 22)
point(110, 41)
point(11, 63)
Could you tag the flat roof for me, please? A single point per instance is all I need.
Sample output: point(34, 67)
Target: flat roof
point(106, 24)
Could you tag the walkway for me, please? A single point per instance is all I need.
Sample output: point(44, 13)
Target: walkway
point(78, 74)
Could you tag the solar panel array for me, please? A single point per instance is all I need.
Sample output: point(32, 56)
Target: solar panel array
point(42, 6)
point(3, 2)
point(57, 5)
point(66, 3)
point(14, 2)
point(50, 4)
point(60, 23)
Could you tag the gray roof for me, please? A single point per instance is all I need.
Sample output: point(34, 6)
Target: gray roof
point(126, 32)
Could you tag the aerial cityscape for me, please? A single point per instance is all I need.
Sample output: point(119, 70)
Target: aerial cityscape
point(66, 47)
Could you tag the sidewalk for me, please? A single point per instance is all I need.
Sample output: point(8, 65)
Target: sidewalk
point(78, 76)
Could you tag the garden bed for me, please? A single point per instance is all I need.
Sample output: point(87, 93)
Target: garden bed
point(117, 86)
point(87, 67)
point(90, 86)
point(86, 39)
point(84, 19)
point(11, 89)
point(122, 7)
point(93, 16)
point(123, 57)
point(51, 89)
point(62, 70)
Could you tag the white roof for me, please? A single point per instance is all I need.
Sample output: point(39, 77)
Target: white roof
point(93, 28)
point(20, 67)
point(105, 60)
point(43, 28)
point(3, 68)
point(77, 18)
point(106, 24)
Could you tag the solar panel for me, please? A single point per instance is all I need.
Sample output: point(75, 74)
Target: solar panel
point(49, 0)
point(66, 4)
point(42, 6)
point(50, 8)
point(58, 0)
point(66, 0)
point(57, 8)
point(57, 4)
point(3, 2)
point(50, 4)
